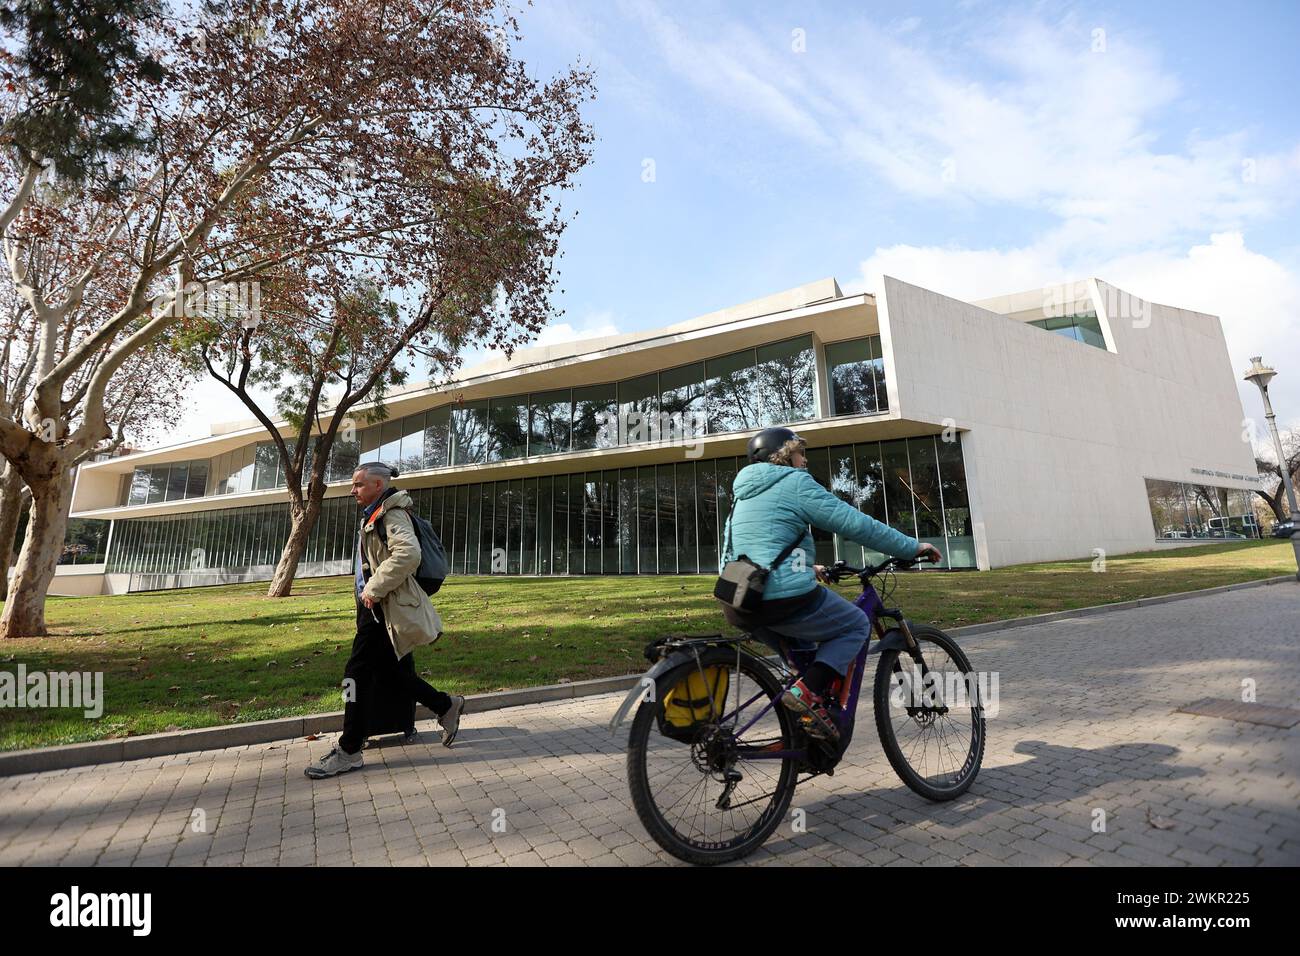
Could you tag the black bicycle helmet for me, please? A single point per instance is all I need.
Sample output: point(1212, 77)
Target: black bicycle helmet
point(768, 442)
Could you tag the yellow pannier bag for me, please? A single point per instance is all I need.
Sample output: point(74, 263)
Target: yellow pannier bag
point(699, 697)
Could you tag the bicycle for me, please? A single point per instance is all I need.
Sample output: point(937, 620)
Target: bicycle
point(714, 790)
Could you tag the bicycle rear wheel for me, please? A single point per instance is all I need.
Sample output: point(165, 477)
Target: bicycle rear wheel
point(930, 720)
point(708, 800)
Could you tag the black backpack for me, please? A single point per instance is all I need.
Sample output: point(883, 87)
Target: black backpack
point(433, 557)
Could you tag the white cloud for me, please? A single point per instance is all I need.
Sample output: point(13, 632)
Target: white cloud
point(593, 326)
point(1018, 112)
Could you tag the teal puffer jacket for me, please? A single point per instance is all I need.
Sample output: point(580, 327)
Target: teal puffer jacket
point(774, 503)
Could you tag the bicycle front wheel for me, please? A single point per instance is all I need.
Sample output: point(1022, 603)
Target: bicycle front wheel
point(929, 715)
point(705, 796)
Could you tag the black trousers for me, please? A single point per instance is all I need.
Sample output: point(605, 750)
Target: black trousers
point(384, 690)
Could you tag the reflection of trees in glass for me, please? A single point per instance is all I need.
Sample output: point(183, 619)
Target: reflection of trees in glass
point(84, 541)
point(853, 389)
point(925, 488)
point(344, 458)
point(730, 388)
point(509, 423)
point(1168, 508)
point(437, 431)
point(683, 401)
point(595, 417)
point(550, 422)
point(638, 409)
point(785, 388)
point(471, 438)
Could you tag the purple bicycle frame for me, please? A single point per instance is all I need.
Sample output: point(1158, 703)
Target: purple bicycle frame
point(870, 604)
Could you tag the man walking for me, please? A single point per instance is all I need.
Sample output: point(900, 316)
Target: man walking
point(394, 616)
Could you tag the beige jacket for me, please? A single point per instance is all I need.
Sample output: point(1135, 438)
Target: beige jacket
point(411, 617)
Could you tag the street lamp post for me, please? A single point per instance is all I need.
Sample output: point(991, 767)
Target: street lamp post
point(1261, 375)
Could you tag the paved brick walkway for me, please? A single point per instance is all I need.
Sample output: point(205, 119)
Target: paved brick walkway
point(1087, 722)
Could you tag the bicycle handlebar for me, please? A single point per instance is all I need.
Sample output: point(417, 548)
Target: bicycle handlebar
point(840, 570)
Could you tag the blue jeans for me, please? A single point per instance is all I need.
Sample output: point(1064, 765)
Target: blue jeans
point(835, 627)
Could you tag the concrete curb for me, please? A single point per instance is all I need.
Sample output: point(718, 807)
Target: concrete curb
point(44, 759)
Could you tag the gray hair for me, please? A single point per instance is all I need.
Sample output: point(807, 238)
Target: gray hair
point(377, 469)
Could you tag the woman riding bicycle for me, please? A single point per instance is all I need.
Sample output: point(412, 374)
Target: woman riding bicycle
point(775, 501)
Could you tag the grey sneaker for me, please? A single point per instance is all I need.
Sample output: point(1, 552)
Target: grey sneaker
point(451, 720)
point(334, 763)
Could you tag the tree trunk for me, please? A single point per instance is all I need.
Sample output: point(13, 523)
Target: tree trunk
point(1274, 502)
point(11, 509)
point(24, 614)
point(302, 520)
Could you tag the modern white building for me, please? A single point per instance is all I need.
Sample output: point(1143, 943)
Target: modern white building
point(1034, 426)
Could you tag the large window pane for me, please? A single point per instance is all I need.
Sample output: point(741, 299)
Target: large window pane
point(509, 424)
point(844, 485)
point(437, 437)
point(463, 532)
point(344, 458)
point(266, 466)
point(560, 525)
point(627, 502)
point(819, 466)
point(683, 402)
point(577, 541)
point(786, 388)
point(487, 501)
point(595, 417)
point(956, 504)
point(411, 456)
point(731, 402)
point(545, 522)
point(550, 415)
point(158, 483)
point(898, 483)
point(528, 528)
point(369, 438)
point(514, 526)
point(243, 463)
point(141, 482)
point(726, 476)
point(390, 442)
point(667, 513)
point(869, 498)
point(707, 524)
point(647, 532)
point(609, 563)
point(688, 558)
point(470, 435)
point(926, 494)
point(197, 485)
point(638, 409)
point(852, 377)
point(592, 522)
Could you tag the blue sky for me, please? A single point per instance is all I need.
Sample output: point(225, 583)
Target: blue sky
point(971, 147)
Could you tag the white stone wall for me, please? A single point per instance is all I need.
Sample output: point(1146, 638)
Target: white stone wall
point(1061, 435)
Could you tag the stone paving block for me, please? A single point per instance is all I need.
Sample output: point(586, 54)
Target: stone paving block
point(1071, 741)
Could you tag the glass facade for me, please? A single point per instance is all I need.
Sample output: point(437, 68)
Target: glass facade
point(655, 519)
point(1182, 510)
point(228, 539)
point(1083, 327)
point(772, 384)
point(155, 483)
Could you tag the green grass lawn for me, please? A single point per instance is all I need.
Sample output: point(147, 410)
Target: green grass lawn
point(205, 656)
